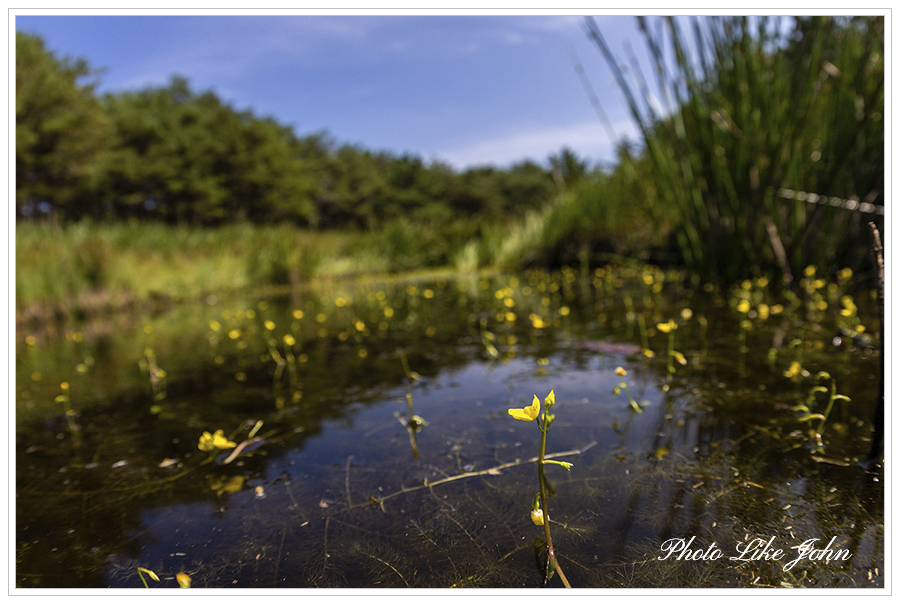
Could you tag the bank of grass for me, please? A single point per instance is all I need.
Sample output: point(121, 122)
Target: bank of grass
point(86, 268)
point(587, 226)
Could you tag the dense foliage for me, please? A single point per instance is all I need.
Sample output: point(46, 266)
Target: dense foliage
point(62, 132)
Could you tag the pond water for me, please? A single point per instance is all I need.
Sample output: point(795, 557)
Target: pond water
point(325, 481)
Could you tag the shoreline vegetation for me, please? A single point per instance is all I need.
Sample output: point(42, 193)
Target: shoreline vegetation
point(83, 270)
point(148, 197)
point(86, 269)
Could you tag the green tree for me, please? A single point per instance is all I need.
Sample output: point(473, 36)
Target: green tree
point(567, 168)
point(62, 133)
point(187, 157)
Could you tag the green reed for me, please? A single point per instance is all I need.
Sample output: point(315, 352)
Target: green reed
point(750, 106)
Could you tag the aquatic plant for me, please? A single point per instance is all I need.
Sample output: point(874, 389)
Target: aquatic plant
point(413, 423)
point(141, 570)
point(810, 417)
point(214, 442)
point(539, 512)
point(672, 355)
point(620, 371)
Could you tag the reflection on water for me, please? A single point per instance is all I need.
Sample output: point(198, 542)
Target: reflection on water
point(328, 484)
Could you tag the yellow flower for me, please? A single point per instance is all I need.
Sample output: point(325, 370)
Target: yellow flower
point(743, 306)
point(666, 327)
point(794, 370)
point(621, 371)
point(184, 580)
point(208, 441)
point(849, 306)
point(528, 414)
point(537, 516)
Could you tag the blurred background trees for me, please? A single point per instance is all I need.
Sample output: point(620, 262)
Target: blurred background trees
point(63, 134)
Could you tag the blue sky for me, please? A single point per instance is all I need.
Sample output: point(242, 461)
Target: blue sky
point(466, 90)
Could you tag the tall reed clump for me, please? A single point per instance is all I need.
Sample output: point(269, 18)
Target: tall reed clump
point(753, 106)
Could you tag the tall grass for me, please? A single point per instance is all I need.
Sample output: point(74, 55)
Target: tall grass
point(752, 106)
point(599, 219)
point(83, 266)
point(88, 267)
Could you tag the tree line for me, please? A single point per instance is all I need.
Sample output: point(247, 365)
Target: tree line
point(173, 154)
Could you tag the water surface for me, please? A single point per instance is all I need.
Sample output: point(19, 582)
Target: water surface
point(335, 488)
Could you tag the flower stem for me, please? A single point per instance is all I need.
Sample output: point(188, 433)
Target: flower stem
point(542, 481)
point(671, 366)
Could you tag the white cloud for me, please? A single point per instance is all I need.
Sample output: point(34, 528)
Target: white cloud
point(588, 140)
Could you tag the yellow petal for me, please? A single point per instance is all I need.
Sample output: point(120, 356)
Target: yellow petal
point(527, 414)
point(550, 400)
point(220, 442)
point(667, 326)
point(206, 442)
